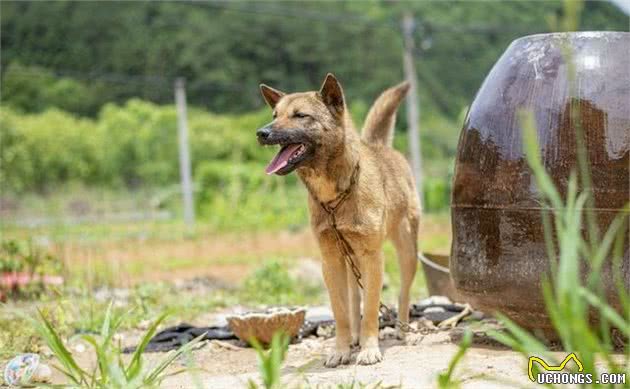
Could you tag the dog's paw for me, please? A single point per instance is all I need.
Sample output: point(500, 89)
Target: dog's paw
point(337, 358)
point(400, 334)
point(369, 356)
point(355, 342)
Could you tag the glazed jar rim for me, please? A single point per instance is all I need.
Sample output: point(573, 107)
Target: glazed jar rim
point(580, 34)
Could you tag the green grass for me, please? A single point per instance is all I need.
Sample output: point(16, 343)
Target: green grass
point(436, 244)
point(446, 379)
point(270, 361)
point(16, 336)
point(271, 284)
point(90, 253)
point(111, 370)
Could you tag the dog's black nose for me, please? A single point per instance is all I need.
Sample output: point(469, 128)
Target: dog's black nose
point(263, 133)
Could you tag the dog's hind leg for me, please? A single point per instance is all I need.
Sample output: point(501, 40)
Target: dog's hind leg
point(335, 277)
point(405, 240)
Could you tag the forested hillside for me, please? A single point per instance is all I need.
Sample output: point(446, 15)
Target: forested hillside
point(111, 51)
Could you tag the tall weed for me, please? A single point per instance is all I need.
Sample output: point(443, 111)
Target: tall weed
point(111, 370)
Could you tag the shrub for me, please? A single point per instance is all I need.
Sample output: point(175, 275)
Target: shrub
point(26, 271)
point(35, 89)
point(40, 151)
point(437, 193)
point(141, 144)
point(271, 284)
point(134, 147)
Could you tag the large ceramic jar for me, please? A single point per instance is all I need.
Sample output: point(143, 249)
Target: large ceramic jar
point(498, 254)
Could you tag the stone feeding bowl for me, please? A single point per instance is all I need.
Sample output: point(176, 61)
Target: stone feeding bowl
point(263, 325)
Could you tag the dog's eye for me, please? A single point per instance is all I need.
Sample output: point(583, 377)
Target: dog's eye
point(300, 115)
point(274, 114)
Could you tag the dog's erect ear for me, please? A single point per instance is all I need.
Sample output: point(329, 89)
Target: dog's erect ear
point(271, 96)
point(332, 94)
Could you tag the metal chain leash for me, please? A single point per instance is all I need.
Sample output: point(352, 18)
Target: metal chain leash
point(348, 253)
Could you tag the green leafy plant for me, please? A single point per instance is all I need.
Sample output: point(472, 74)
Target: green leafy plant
point(110, 371)
point(26, 270)
point(437, 192)
point(270, 361)
point(16, 255)
point(271, 280)
point(271, 283)
point(33, 88)
point(446, 379)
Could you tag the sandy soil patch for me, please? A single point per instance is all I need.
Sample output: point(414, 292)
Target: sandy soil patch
point(414, 363)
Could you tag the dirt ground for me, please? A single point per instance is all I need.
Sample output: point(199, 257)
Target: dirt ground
point(414, 363)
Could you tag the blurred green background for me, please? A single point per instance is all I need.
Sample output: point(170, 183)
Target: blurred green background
point(88, 127)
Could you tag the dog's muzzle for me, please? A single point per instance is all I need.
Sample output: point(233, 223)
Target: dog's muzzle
point(294, 150)
point(263, 134)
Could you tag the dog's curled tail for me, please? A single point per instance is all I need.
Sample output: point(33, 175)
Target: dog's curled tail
point(380, 120)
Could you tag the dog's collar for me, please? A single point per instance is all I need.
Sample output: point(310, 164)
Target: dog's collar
point(332, 205)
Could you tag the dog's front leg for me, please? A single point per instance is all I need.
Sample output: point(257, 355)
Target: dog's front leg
point(372, 274)
point(335, 276)
point(355, 307)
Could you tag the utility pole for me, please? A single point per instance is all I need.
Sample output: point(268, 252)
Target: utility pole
point(184, 153)
point(413, 103)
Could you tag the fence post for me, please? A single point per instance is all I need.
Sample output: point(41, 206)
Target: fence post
point(184, 153)
point(413, 102)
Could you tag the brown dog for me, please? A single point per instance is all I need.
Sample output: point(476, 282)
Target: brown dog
point(318, 139)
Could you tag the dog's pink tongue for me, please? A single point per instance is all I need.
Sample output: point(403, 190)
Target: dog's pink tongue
point(281, 159)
